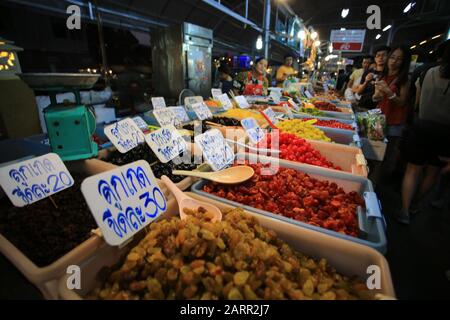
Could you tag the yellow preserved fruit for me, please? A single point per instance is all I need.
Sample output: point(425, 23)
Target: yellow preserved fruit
point(240, 114)
point(233, 259)
point(303, 130)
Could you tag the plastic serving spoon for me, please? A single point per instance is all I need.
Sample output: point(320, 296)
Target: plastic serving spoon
point(184, 201)
point(272, 151)
point(232, 175)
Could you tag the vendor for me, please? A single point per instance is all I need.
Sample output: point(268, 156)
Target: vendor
point(253, 82)
point(286, 70)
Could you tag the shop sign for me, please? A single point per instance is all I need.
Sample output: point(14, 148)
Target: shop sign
point(202, 111)
point(348, 40)
point(31, 180)
point(242, 102)
point(123, 201)
point(215, 149)
point(225, 101)
point(167, 143)
point(124, 135)
point(158, 103)
point(254, 131)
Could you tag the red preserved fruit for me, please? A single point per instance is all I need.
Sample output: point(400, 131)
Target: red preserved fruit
point(298, 196)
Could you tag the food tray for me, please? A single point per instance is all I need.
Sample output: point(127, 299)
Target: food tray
point(350, 159)
point(350, 122)
point(347, 137)
point(372, 229)
point(182, 185)
point(45, 278)
point(347, 257)
point(346, 114)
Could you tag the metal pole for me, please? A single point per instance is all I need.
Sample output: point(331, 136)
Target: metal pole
point(102, 44)
point(266, 29)
point(246, 9)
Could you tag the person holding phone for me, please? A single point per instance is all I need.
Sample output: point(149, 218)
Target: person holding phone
point(286, 70)
point(366, 89)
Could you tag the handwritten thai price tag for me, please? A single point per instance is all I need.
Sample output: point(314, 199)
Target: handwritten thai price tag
point(216, 93)
point(140, 123)
point(242, 102)
point(124, 200)
point(271, 115)
point(215, 149)
point(166, 143)
point(189, 101)
point(34, 179)
point(124, 135)
point(288, 112)
point(294, 105)
point(254, 131)
point(166, 117)
point(225, 101)
point(202, 111)
point(180, 114)
point(158, 103)
point(276, 96)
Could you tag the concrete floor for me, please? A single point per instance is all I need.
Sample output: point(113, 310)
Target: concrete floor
point(418, 254)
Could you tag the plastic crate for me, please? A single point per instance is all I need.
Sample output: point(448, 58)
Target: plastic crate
point(372, 228)
point(349, 258)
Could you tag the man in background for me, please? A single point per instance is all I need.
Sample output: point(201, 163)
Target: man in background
point(355, 80)
point(286, 70)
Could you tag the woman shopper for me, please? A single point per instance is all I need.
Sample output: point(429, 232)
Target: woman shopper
point(429, 138)
point(253, 82)
point(392, 96)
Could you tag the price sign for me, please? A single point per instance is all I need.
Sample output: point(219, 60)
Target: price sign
point(215, 149)
point(189, 101)
point(225, 101)
point(34, 179)
point(166, 117)
point(180, 114)
point(123, 201)
point(254, 131)
point(216, 93)
point(288, 112)
point(124, 135)
point(158, 103)
point(308, 94)
point(271, 115)
point(276, 96)
point(166, 143)
point(202, 111)
point(294, 105)
point(242, 102)
point(140, 123)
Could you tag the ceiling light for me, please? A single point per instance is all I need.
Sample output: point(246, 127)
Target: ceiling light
point(435, 37)
point(317, 43)
point(378, 36)
point(431, 51)
point(301, 34)
point(413, 47)
point(344, 13)
point(409, 7)
point(314, 35)
point(423, 42)
point(343, 29)
point(259, 43)
point(387, 28)
point(330, 48)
